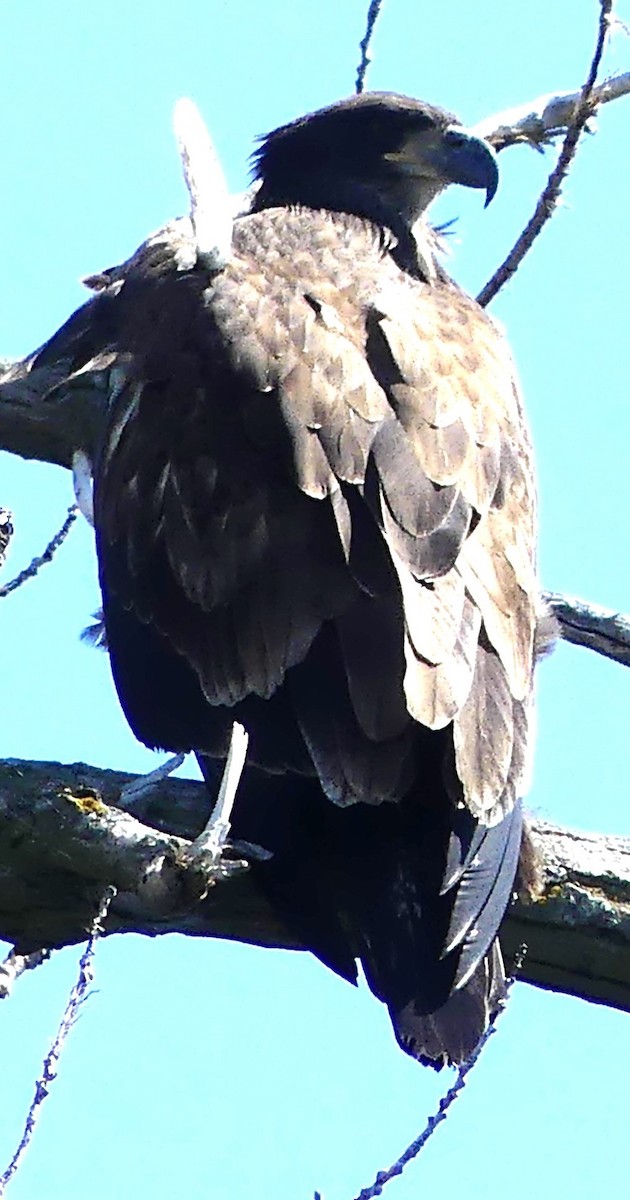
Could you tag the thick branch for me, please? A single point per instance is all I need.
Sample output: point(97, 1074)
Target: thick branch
point(52, 402)
point(45, 414)
point(547, 201)
point(59, 847)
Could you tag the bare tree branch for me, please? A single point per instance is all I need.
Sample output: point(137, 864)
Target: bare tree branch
point(77, 997)
point(417, 1145)
point(599, 629)
point(46, 410)
point(15, 965)
point(135, 797)
point(364, 45)
point(548, 200)
point(538, 122)
point(88, 843)
point(62, 840)
point(42, 559)
point(414, 1148)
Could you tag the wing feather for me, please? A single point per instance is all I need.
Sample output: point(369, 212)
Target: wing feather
point(392, 400)
point(435, 692)
point(315, 514)
point(483, 733)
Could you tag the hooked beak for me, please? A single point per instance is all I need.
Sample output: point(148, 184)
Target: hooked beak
point(467, 159)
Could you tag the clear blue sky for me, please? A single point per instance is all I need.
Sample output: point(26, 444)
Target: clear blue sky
point(205, 1069)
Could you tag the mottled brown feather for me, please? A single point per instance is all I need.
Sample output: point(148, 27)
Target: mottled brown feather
point(315, 514)
point(362, 385)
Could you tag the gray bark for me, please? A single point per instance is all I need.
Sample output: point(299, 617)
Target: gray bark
point(62, 839)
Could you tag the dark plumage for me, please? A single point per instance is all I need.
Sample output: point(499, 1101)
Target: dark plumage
point(315, 514)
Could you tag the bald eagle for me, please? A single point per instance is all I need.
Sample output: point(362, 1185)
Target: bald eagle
point(315, 514)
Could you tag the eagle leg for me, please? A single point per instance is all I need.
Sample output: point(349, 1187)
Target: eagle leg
point(205, 857)
point(208, 847)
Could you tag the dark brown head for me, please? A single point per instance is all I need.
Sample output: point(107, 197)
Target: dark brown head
point(376, 154)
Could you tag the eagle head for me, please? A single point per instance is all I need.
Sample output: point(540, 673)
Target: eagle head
point(379, 155)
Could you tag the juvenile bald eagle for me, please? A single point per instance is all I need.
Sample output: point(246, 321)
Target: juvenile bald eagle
point(315, 515)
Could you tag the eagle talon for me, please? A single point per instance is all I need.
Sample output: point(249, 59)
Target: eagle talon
point(206, 864)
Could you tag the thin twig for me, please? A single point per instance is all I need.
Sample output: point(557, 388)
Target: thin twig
point(51, 1063)
point(15, 965)
point(413, 1150)
point(31, 571)
point(418, 1144)
point(549, 198)
point(600, 629)
point(135, 797)
point(364, 46)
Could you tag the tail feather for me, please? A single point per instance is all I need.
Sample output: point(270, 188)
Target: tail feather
point(368, 882)
point(451, 1033)
point(429, 952)
point(484, 893)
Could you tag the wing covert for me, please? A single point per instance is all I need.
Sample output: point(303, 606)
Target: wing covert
point(391, 401)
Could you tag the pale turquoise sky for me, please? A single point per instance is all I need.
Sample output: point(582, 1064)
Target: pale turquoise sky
point(212, 1070)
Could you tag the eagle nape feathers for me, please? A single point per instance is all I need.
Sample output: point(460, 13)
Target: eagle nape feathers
point(315, 514)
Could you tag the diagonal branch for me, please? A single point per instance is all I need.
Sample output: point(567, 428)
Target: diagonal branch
point(548, 200)
point(45, 557)
point(364, 45)
point(448, 1099)
point(77, 997)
